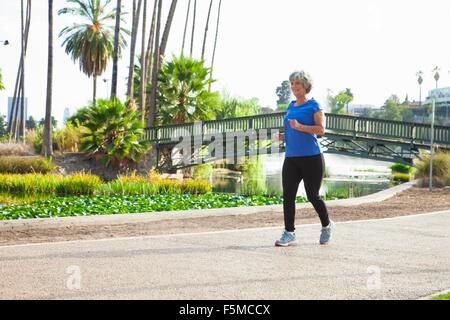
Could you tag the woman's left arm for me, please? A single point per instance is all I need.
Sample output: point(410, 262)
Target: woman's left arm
point(317, 128)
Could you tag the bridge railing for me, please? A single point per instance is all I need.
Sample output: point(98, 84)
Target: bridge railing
point(338, 124)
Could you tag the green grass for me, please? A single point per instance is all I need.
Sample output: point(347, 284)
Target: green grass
point(445, 296)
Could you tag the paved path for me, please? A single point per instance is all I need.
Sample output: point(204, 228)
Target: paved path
point(399, 258)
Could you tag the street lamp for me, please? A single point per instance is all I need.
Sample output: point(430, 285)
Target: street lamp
point(436, 78)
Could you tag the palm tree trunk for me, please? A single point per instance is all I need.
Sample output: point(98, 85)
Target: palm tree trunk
point(215, 46)
point(193, 28)
point(13, 119)
point(185, 27)
point(143, 63)
point(134, 31)
point(94, 90)
point(47, 145)
point(165, 37)
point(116, 49)
point(151, 40)
point(155, 70)
point(22, 101)
point(206, 29)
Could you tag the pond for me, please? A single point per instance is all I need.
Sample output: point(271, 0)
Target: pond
point(348, 177)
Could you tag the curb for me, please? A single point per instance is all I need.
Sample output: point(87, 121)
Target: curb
point(429, 297)
point(115, 219)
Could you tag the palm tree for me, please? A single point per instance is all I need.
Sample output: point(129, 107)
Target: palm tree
point(113, 133)
point(134, 32)
point(206, 29)
point(183, 92)
point(47, 148)
point(349, 93)
point(185, 26)
point(419, 75)
point(91, 43)
point(116, 50)
point(215, 44)
point(436, 74)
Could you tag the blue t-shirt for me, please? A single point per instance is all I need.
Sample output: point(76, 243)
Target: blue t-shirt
point(301, 144)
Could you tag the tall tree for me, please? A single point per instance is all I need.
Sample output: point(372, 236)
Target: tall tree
point(193, 28)
point(158, 58)
point(13, 125)
point(215, 44)
point(22, 101)
point(349, 93)
point(116, 50)
point(419, 75)
point(47, 148)
point(91, 43)
point(185, 27)
point(284, 92)
point(165, 37)
point(155, 70)
point(143, 63)
point(151, 40)
point(206, 29)
point(134, 32)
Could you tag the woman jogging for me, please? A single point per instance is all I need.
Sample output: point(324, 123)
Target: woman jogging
point(304, 160)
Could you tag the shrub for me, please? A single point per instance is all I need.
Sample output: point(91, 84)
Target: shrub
point(441, 168)
point(79, 184)
point(16, 149)
point(113, 133)
point(401, 168)
point(196, 187)
point(137, 185)
point(29, 184)
point(129, 185)
point(69, 138)
point(203, 171)
point(25, 165)
point(401, 177)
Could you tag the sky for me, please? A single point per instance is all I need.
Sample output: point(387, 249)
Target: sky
point(374, 47)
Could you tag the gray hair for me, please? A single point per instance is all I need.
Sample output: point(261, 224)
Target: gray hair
point(304, 79)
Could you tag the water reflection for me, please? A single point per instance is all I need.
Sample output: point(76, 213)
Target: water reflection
point(347, 177)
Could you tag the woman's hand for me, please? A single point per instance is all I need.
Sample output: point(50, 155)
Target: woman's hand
point(295, 124)
point(278, 136)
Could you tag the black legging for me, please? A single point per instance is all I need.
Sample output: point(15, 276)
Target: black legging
point(311, 171)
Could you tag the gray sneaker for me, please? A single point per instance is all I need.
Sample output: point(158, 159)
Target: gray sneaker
point(287, 239)
point(325, 235)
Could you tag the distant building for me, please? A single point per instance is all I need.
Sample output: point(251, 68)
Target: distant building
point(10, 102)
point(362, 110)
point(66, 114)
point(442, 96)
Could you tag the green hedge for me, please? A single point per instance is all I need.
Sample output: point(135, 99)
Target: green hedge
point(24, 165)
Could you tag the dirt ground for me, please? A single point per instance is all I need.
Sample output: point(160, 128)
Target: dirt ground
point(411, 201)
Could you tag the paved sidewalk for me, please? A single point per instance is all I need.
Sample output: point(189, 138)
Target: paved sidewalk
point(398, 258)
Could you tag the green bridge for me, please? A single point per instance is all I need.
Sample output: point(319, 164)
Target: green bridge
point(386, 140)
